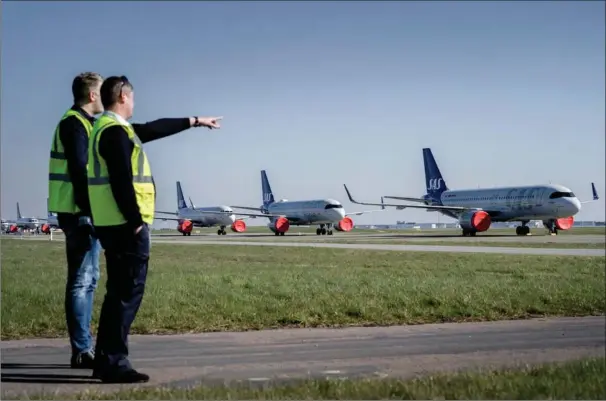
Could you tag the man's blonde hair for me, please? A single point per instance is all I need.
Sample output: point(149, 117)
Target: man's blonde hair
point(83, 84)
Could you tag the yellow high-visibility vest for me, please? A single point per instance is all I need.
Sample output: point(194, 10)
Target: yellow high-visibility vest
point(105, 211)
point(60, 187)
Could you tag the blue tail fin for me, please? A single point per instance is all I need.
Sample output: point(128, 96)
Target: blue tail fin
point(18, 211)
point(180, 198)
point(434, 181)
point(594, 192)
point(268, 196)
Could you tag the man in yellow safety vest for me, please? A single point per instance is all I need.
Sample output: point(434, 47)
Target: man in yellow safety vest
point(68, 197)
point(122, 198)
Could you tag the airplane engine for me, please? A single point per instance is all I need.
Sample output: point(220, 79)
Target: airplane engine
point(476, 221)
point(45, 229)
point(345, 224)
point(185, 227)
point(238, 226)
point(564, 223)
point(279, 226)
point(13, 228)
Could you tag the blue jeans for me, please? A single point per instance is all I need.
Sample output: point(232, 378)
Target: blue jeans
point(82, 278)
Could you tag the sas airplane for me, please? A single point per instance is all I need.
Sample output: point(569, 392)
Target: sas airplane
point(190, 217)
point(326, 213)
point(475, 209)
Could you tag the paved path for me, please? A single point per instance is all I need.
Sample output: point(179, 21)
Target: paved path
point(279, 355)
point(284, 242)
point(391, 247)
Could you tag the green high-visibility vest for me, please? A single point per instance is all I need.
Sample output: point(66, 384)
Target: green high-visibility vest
point(60, 187)
point(105, 211)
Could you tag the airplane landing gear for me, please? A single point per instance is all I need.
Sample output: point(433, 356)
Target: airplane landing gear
point(523, 229)
point(278, 233)
point(469, 233)
point(221, 231)
point(323, 231)
point(551, 227)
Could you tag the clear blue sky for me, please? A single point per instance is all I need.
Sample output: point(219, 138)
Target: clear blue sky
point(320, 94)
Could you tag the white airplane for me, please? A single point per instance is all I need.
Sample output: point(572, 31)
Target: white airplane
point(326, 213)
point(190, 217)
point(475, 209)
point(29, 223)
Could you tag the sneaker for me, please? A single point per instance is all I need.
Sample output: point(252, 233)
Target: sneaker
point(124, 376)
point(84, 360)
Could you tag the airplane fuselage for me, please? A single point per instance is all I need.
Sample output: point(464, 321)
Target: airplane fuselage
point(28, 223)
point(536, 202)
point(318, 211)
point(224, 217)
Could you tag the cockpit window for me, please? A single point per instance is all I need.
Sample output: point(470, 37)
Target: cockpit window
point(558, 194)
point(333, 207)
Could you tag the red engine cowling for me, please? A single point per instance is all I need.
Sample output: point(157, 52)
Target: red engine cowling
point(280, 225)
point(45, 228)
point(475, 220)
point(238, 226)
point(345, 224)
point(185, 226)
point(564, 223)
point(13, 228)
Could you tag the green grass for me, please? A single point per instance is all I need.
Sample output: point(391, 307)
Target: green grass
point(581, 380)
point(217, 288)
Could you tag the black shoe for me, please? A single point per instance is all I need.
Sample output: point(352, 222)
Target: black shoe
point(123, 376)
point(84, 360)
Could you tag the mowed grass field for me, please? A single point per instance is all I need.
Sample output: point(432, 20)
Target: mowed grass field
point(217, 288)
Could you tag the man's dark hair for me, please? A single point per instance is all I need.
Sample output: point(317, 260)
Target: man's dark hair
point(82, 85)
point(112, 88)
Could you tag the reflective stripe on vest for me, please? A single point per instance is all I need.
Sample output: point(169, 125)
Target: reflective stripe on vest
point(60, 187)
point(98, 180)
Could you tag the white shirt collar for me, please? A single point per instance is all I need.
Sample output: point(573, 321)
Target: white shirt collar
point(116, 117)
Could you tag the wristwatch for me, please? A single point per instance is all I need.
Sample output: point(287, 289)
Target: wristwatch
point(196, 122)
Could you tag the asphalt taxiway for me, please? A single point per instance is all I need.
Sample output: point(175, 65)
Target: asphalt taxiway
point(300, 241)
point(31, 366)
point(392, 247)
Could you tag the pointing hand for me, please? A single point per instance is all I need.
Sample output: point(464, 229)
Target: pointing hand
point(209, 122)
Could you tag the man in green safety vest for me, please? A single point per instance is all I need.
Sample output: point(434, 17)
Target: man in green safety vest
point(122, 199)
point(68, 197)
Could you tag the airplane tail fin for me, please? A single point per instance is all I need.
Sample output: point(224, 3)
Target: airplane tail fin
point(180, 198)
point(594, 192)
point(268, 196)
point(433, 177)
point(18, 211)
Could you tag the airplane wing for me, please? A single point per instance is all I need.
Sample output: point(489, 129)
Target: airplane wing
point(404, 198)
point(451, 208)
point(173, 213)
point(594, 193)
point(367, 211)
point(245, 208)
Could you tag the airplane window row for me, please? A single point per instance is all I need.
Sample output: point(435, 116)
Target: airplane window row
point(333, 207)
point(493, 198)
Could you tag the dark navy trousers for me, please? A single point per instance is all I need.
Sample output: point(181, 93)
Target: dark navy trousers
point(127, 257)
